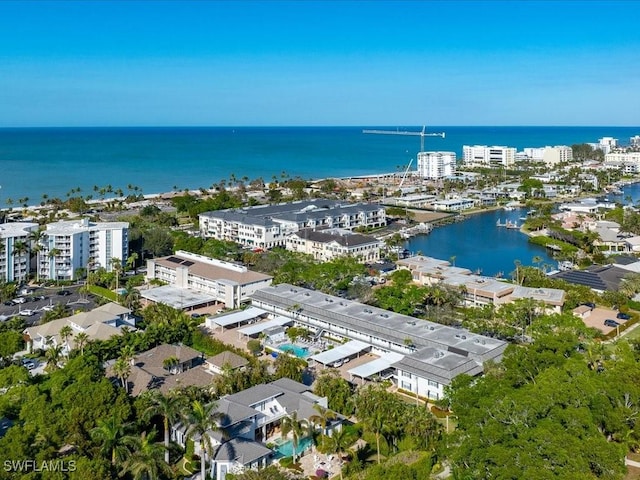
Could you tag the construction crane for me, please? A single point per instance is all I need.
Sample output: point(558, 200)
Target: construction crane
point(421, 134)
point(405, 174)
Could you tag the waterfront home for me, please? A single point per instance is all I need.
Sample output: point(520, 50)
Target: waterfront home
point(195, 280)
point(453, 205)
point(101, 323)
point(610, 239)
point(267, 226)
point(327, 244)
point(250, 419)
point(367, 329)
point(477, 290)
point(589, 206)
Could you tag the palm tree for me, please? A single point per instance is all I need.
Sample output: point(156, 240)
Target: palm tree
point(20, 248)
point(52, 355)
point(338, 442)
point(323, 417)
point(36, 238)
point(53, 253)
point(169, 407)
point(110, 433)
point(131, 262)
point(201, 418)
point(122, 370)
point(66, 332)
point(81, 340)
point(146, 459)
point(116, 267)
point(297, 428)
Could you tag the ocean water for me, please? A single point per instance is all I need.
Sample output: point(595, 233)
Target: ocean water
point(52, 161)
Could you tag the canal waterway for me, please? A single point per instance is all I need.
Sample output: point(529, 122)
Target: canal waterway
point(478, 244)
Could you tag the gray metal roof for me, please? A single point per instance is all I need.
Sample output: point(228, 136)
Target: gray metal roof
point(241, 450)
point(439, 365)
point(378, 322)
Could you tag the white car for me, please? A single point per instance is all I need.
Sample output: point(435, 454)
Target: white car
point(26, 313)
point(19, 300)
point(48, 308)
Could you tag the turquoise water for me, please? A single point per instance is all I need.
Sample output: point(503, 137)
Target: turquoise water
point(297, 350)
point(286, 449)
point(478, 244)
point(52, 161)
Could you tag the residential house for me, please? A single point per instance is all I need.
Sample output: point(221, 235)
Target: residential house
point(248, 419)
point(101, 323)
point(165, 367)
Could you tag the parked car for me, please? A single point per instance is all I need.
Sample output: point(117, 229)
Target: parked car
point(623, 316)
point(26, 313)
point(64, 293)
point(29, 363)
point(19, 300)
point(9, 303)
point(611, 323)
point(591, 305)
point(48, 308)
point(337, 364)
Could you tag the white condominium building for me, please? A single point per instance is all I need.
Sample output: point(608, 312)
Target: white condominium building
point(267, 226)
point(14, 250)
point(606, 144)
point(481, 155)
point(436, 165)
point(551, 156)
point(325, 245)
point(635, 141)
point(71, 245)
point(629, 162)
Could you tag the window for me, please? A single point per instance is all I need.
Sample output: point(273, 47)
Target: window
point(432, 383)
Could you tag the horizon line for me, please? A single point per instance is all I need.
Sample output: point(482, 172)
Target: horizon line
point(26, 127)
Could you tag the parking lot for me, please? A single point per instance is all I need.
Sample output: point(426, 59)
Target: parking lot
point(33, 305)
point(598, 316)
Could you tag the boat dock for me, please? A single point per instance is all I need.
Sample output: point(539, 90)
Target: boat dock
point(508, 224)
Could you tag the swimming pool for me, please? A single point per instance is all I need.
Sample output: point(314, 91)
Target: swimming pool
point(297, 350)
point(285, 449)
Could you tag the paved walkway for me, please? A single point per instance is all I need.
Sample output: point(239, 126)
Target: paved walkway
point(631, 463)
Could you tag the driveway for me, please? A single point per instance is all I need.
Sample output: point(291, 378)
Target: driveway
point(597, 317)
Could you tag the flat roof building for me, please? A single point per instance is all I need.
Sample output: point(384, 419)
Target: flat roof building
point(217, 280)
point(68, 246)
point(14, 262)
point(384, 331)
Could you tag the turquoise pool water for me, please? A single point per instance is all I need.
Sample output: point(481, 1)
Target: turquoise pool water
point(297, 350)
point(286, 449)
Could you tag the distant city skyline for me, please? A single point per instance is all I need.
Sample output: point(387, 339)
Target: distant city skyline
point(312, 63)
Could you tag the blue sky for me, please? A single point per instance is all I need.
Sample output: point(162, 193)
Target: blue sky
point(330, 62)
